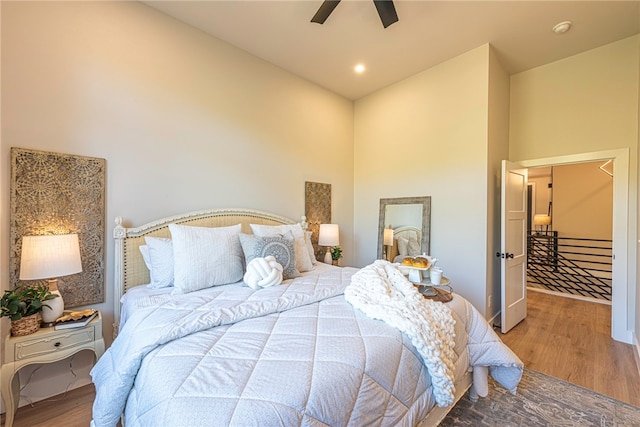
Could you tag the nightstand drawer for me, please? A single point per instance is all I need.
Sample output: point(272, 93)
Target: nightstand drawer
point(54, 342)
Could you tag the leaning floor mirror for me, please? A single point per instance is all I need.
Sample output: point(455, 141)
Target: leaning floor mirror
point(410, 220)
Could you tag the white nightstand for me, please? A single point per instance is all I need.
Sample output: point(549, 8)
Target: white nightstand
point(45, 346)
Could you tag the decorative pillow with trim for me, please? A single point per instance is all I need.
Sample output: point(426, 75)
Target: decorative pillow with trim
point(295, 232)
point(281, 248)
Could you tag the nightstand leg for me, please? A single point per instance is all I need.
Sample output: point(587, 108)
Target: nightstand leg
point(99, 348)
point(10, 389)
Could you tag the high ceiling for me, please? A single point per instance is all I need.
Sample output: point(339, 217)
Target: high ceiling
point(427, 33)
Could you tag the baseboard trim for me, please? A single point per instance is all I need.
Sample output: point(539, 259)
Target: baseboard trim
point(637, 352)
point(492, 321)
point(561, 294)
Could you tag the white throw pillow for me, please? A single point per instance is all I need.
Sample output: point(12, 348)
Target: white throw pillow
point(205, 257)
point(144, 251)
point(262, 230)
point(414, 246)
point(160, 261)
point(312, 253)
point(403, 246)
point(303, 260)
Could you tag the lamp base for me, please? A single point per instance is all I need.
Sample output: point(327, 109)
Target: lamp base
point(54, 310)
point(327, 257)
point(386, 255)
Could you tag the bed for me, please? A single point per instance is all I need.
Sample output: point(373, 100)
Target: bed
point(297, 353)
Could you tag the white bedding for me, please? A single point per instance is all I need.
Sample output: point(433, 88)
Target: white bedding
point(144, 296)
point(295, 354)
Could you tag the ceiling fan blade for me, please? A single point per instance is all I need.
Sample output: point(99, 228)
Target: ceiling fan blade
point(387, 12)
point(324, 11)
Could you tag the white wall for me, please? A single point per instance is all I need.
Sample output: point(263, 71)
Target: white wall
point(427, 136)
point(497, 151)
point(582, 201)
point(583, 104)
point(582, 197)
point(184, 121)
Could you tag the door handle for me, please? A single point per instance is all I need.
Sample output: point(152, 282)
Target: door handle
point(501, 255)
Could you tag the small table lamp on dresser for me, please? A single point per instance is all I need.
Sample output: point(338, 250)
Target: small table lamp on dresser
point(49, 257)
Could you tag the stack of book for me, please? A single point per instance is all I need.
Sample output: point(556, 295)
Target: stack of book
point(75, 319)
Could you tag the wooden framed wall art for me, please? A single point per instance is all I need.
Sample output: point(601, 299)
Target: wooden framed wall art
point(317, 210)
point(54, 193)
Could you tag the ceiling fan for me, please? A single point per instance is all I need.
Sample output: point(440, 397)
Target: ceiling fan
point(386, 11)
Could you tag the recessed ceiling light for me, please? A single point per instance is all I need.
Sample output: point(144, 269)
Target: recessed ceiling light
point(359, 68)
point(562, 27)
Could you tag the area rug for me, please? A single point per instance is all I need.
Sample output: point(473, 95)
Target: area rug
point(542, 400)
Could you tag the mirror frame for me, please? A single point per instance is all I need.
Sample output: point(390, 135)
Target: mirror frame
point(425, 244)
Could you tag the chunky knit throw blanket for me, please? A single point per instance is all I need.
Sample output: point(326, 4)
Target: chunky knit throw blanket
point(382, 292)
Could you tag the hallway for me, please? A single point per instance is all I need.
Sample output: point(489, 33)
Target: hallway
point(571, 339)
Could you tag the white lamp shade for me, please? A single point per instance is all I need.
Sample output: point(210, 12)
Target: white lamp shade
point(329, 235)
point(541, 219)
point(388, 237)
point(50, 256)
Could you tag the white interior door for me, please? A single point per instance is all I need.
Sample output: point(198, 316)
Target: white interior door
point(513, 250)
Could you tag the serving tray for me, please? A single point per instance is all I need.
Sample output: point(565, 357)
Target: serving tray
point(436, 293)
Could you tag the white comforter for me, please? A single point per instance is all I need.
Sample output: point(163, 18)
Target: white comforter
point(296, 354)
point(382, 292)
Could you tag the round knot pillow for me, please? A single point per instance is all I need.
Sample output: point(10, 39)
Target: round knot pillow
point(263, 272)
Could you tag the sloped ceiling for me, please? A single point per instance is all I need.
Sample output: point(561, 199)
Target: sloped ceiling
point(427, 33)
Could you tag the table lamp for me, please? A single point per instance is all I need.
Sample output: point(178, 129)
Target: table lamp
point(329, 236)
point(49, 257)
point(387, 241)
point(542, 219)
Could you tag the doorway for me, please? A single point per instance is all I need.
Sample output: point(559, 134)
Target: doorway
point(569, 233)
point(622, 278)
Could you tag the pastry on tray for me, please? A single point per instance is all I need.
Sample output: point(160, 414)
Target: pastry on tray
point(421, 262)
point(408, 261)
point(417, 262)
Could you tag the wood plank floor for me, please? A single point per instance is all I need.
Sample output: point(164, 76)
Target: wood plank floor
point(571, 339)
point(561, 337)
point(72, 410)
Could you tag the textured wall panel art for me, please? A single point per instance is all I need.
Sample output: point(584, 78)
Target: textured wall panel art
point(53, 193)
point(317, 198)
